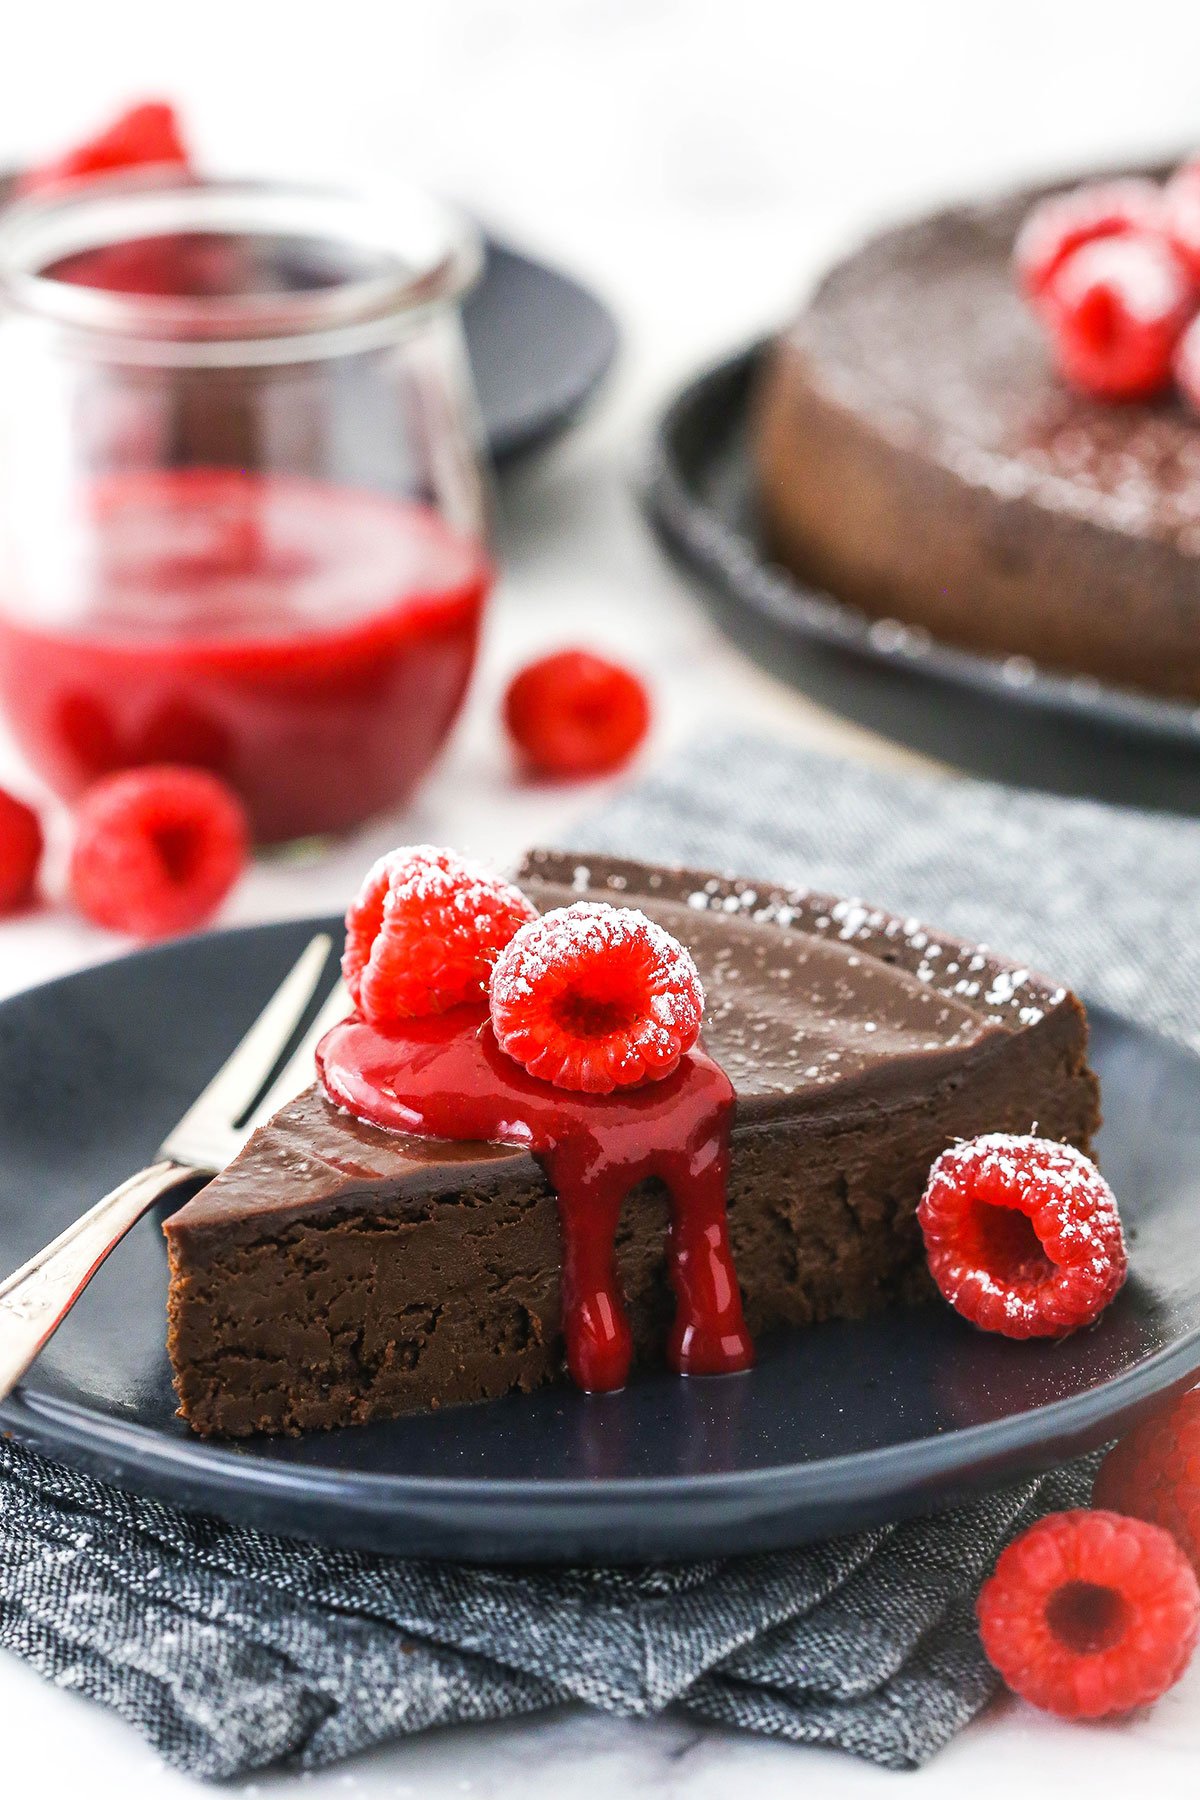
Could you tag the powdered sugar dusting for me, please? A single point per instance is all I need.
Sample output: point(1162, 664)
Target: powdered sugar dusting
point(559, 942)
point(424, 929)
point(820, 1011)
point(1073, 1213)
point(571, 954)
point(925, 331)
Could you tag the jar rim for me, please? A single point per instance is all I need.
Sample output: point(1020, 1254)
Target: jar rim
point(431, 254)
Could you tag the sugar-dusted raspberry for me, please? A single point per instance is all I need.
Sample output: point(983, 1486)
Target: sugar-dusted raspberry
point(576, 714)
point(157, 849)
point(143, 136)
point(1154, 1472)
point(20, 851)
point(1181, 213)
point(595, 997)
point(424, 932)
point(1187, 365)
point(1022, 1235)
point(1062, 224)
point(1089, 1613)
point(1116, 310)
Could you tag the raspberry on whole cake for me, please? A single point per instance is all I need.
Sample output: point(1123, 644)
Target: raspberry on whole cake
point(349, 1265)
point(1005, 457)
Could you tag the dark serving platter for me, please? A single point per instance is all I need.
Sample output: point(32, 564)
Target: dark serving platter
point(838, 1426)
point(539, 344)
point(1003, 718)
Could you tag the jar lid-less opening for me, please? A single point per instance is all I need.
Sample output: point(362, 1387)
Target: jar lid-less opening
point(314, 271)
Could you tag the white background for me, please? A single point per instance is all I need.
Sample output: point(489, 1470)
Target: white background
point(697, 161)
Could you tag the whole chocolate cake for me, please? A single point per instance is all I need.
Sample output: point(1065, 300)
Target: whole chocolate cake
point(918, 456)
point(338, 1272)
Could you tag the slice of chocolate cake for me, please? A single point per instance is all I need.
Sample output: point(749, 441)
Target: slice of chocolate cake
point(337, 1272)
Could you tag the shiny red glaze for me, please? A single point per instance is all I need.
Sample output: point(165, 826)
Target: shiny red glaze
point(447, 1077)
point(308, 643)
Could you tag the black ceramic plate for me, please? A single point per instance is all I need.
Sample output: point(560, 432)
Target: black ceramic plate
point(539, 344)
point(1003, 718)
point(838, 1426)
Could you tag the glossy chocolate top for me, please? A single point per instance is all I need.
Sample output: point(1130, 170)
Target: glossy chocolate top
point(813, 1004)
point(924, 330)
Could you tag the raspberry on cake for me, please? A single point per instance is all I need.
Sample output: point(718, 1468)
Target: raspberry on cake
point(432, 1223)
point(1022, 1235)
point(1059, 226)
point(1181, 213)
point(1116, 310)
point(595, 998)
point(1090, 1613)
point(589, 999)
point(920, 384)
point(424, 932)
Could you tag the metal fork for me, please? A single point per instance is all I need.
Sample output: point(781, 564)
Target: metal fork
point(38, 1296)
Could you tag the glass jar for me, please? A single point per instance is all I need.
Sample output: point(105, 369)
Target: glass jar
point(242, 514)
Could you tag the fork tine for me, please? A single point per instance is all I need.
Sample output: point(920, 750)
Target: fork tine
point(298, 1071)
point(238, 1080)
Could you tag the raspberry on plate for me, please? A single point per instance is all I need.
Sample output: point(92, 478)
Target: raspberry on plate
point(594, 997)
point(575, 714)
point(1090, 1613)
point(1062, 224)
point(1022, 1235)
point(157, 849)
point(144, 136)
point(424, 932)
point(1154, 1472)
point(20, 851)
point(1116, 310)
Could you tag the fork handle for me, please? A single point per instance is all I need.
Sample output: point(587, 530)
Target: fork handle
point(37, 1297)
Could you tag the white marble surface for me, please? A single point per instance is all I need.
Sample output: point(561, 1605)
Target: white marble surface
point(697, 160)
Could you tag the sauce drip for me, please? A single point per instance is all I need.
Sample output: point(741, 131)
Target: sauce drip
point(447, 1077)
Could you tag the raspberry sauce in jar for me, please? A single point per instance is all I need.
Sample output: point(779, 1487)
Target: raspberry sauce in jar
point(242, 520)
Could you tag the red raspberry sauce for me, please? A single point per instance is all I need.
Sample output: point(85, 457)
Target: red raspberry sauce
point(310, 644)
point(447, 1077)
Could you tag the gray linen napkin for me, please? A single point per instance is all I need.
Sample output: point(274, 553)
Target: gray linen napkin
point(230, 1650)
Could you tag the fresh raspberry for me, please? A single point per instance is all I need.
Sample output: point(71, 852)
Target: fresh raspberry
point(595, 997)
point(1022, 1235)
point(1181, 214)
point(1154, 1473)
point(157, 849)
point(1059, 226)
point(576, 714)
point(1089, 1613)
point(20, 852)
point(1187, 365)
point(1116, 310)
point(145, 135)
point(424, 932)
